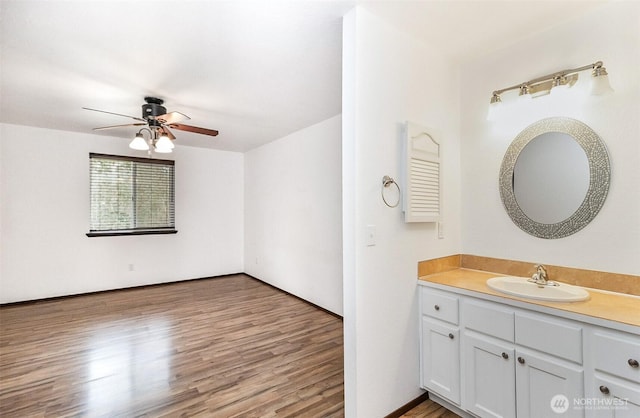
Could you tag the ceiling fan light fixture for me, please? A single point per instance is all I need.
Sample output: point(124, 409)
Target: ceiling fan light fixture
point(139, 143)
point(166, 141)
point(158, 122)
point(164, 145)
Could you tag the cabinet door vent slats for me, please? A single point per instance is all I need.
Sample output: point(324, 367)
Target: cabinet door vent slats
point(425, 193)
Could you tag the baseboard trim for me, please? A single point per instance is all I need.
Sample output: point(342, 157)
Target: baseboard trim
point(297, 297)
point(408, 406)
point(62, 297)
point(75, 295)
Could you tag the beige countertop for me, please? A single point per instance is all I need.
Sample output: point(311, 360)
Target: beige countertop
point(604, 305)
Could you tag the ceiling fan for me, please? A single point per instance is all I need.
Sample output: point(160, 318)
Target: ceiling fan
point(157, 122)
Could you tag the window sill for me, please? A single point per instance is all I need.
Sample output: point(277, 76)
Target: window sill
point(124, 232)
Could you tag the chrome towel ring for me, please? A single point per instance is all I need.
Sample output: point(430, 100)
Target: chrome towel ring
point(387, 182)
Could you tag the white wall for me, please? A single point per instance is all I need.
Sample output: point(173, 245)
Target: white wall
point(293, 214)
point(612, 241)
point(45, 216)
point(388, 78)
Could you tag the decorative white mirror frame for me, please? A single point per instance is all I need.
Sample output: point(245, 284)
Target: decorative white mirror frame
point(599, 177)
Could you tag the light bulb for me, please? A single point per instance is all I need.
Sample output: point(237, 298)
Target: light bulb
point(524, 104)
point(600, 82)
point(560, 87)
point(525, 94)
point(164, 145)
point(495, 108)
point(139, 143)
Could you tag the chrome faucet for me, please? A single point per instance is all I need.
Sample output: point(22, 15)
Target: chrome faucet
point(540, 277)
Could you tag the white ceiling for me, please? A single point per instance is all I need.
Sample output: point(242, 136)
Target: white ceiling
point(254, 70)
point(467, 29)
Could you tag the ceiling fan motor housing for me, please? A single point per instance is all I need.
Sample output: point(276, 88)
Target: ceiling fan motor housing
point(153, 108)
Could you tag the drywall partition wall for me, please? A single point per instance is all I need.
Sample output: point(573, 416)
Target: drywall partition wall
point(1, 202)
point(45, 216)
point(350, 344)
point(612, 241)
point(293, 214)
point(388, 78)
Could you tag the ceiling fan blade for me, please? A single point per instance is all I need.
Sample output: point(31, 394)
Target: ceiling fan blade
point(168, 132)
point(112, 113)
point(194, 129)
point(119, 126)
point(172, 117)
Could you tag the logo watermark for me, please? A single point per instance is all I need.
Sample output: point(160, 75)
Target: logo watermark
point(560, 404)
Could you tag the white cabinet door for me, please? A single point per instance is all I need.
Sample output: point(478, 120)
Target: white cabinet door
point(490, 385)
point(441, 359)
point(547, 386)
point(615, 398)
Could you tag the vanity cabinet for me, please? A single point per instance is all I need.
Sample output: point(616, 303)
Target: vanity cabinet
point(440, 342)
point(492, 359)
point(516, 362)
point(441, 359)
point(613, 398)
point(488, 358)
point(613, 388)
point(549, 369)
point(540, 378)
point(489, 376)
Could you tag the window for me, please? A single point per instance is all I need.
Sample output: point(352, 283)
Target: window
point(131, 196)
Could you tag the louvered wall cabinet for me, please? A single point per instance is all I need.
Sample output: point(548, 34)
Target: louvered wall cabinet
point(422, 174)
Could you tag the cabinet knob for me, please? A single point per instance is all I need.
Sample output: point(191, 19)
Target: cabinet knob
point(451, 336)
point(604, 390)
point(521, 360)
point(633, 363)
point(436, 307)
point(505, 356)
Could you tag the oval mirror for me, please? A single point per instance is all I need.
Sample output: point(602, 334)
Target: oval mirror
point(551, 177)
point(554, 177)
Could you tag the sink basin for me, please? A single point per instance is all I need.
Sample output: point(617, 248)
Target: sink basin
point(519, 286)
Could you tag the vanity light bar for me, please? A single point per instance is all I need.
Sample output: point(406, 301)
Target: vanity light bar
point(542, 85)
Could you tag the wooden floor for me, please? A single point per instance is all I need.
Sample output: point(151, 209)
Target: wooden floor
point(430, 409)
point(223, 347)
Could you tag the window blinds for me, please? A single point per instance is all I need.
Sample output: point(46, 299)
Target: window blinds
point(131, 194)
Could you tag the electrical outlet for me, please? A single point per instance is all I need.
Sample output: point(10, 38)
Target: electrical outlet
point(440, 230)
point(132, 267)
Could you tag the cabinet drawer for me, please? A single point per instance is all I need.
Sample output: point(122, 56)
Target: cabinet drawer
point(488, 318)
point(440, 305)
point(553, 336)
point(617, 354)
